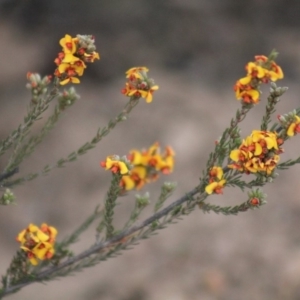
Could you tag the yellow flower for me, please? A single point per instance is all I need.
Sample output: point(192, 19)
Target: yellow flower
point(135, 72)
point(70, 80)
point(215, 187)
point(294, 127)
point(216, 172)
point(271, 164)
point(69, 58)
point(269, 137)
point(250, 96)
point(32, 233)
point(242, 85)
point(254, 153)
point(255, 71)
point(38, 243)
point(239, 155)
point(70, 71)
point(252, 165)
point(116, 166)
point(136, 179)
point(91, 57)
point(275, 73)
point(148, 94)
point(68, 44)
point(127, 183)
point(135, 157)
point(50, 231)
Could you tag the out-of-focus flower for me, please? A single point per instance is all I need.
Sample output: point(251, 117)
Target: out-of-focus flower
point(135, 72)
point(146, 165)
point(294, 127)
point(75, 53)
point(68, 44)
point(115, 165)
point(38, 243)
point(138, 84)
point(262, 70)
point(216, 181)
point(215, 187)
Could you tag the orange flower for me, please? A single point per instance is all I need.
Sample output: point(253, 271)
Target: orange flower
point(215, 187)
point(38, 243)
point(115, 165)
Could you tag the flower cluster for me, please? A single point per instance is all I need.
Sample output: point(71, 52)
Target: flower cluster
point(258, 153)
point(138, 84)
point(38, 243)
point(216, 181)
point(76, 52)
point(262, 70)
point(147, 164)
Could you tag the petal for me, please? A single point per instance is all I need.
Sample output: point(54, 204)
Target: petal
point(291, 130)
point(211, 187)
point(271, 142)
point(139, 171)
point(127, 183)
point(69, 58)
point(74, 80)
point(123, 168)
point(245, 80)
point(235, 155)
point(258, 149)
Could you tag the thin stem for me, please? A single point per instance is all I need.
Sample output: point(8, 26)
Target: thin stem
point(82, 150)
point(112, 242)
point(32, 116)
point(110, 204)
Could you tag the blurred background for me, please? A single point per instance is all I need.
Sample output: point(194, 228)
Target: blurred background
point(195, 50)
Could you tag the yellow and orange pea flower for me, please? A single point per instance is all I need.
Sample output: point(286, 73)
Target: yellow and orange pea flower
point(115, 165)
point(38, 243)
point(41, 251)
point(69, 44)
point(216, 172)
point(274, 71)
point(71, 61)
point(255, 71)
point(244, 90)
point(138, 84)
point(216, 181)
point(69, 71)
point(136, 72)
point(135, 180)
point(147, 95)
point(259, 152)
point(91, 57)
point(294, 127)
point(147, 165)
point(260, 71)
point(215, 187)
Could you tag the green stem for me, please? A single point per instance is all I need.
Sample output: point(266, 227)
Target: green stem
point(32, 116)
point(82, 150)
point(110, 204)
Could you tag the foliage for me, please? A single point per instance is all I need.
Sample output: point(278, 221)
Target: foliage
point(43, 258)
